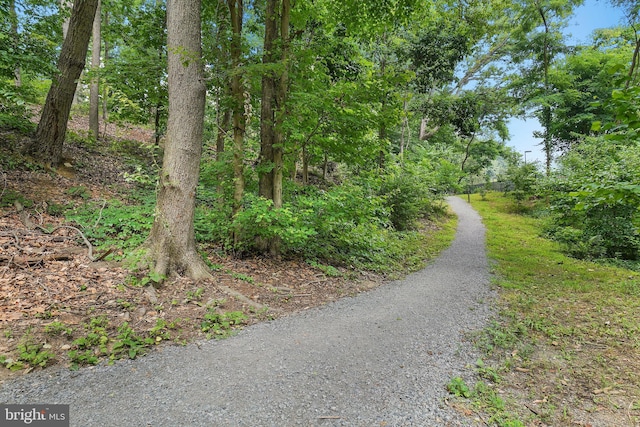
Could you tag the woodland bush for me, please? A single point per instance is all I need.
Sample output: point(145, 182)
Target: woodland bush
point(595, 205)
point(407, 195)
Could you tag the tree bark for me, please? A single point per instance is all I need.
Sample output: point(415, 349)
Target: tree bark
point(13, 18)
point(94, 90)
point(65, 4)
point(171, 243)
point(49, 139)
point(281, 101)
point(236, 12)
point(105, 60)
point(275, 88)
point(268, 107)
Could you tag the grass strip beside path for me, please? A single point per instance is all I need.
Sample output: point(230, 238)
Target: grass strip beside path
point(565, 349)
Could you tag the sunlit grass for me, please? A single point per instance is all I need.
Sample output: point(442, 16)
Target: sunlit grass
point(415, 249)
point(570, 327)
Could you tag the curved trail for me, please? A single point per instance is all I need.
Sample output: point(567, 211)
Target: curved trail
point(382, 358)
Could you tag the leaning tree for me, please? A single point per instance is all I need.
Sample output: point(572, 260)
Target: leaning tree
point(49, 138)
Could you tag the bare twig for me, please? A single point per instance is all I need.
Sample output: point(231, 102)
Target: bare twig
point(104, 255)
point(15, 236)
point(104, 203)
point(6, 267)
point(4, 185)
point(529, 408)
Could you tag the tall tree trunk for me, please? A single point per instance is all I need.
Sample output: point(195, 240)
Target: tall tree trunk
point(171, 243)
point(94, 90)
point(105, 90)
point(281, 101)
point(382, 130)
point(13, 17)
point(268, 107)
point(546, 110)
point(236, 12)
point(50, 134)
point(274, 95)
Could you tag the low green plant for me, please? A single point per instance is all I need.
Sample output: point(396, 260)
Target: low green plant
point(328, 270)
point(160, 331)
point(115, 224)
point(10, 197)
point(58, 328)
point(128, 343)
point(80, 191)
point(93, 344)
point(487, 372)
point(221, 325)
point(142, 176)
point(11, 364)
point(124, 304)
point(458, 387)
point(82, 357)
point(244, 278)
point(33, 354)
point(195, 295)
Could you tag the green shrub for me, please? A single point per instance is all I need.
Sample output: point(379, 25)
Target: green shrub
point(114, 223)
point(595, 199)
point(406, 196)
point(258, 219)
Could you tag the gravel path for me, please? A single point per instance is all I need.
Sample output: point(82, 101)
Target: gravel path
point(382, 358)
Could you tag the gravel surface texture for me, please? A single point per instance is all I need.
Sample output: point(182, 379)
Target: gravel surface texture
point(382, 358)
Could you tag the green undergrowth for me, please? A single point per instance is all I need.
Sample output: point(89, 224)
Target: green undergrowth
point(338, 240)
point(567, 328)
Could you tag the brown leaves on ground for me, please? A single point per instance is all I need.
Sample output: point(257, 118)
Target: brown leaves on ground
point(36, 290)
point(49, 279)
point(46, 278)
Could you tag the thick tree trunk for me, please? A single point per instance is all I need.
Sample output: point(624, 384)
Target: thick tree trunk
point(171, 242)
point(274, 95)
point(94, 90)
point(50, 134)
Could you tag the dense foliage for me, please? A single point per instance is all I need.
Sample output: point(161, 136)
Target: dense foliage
point(378, 110)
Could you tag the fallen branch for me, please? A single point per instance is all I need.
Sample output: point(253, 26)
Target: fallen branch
point(240, 297)
point(31, 261)
point(86, 241)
